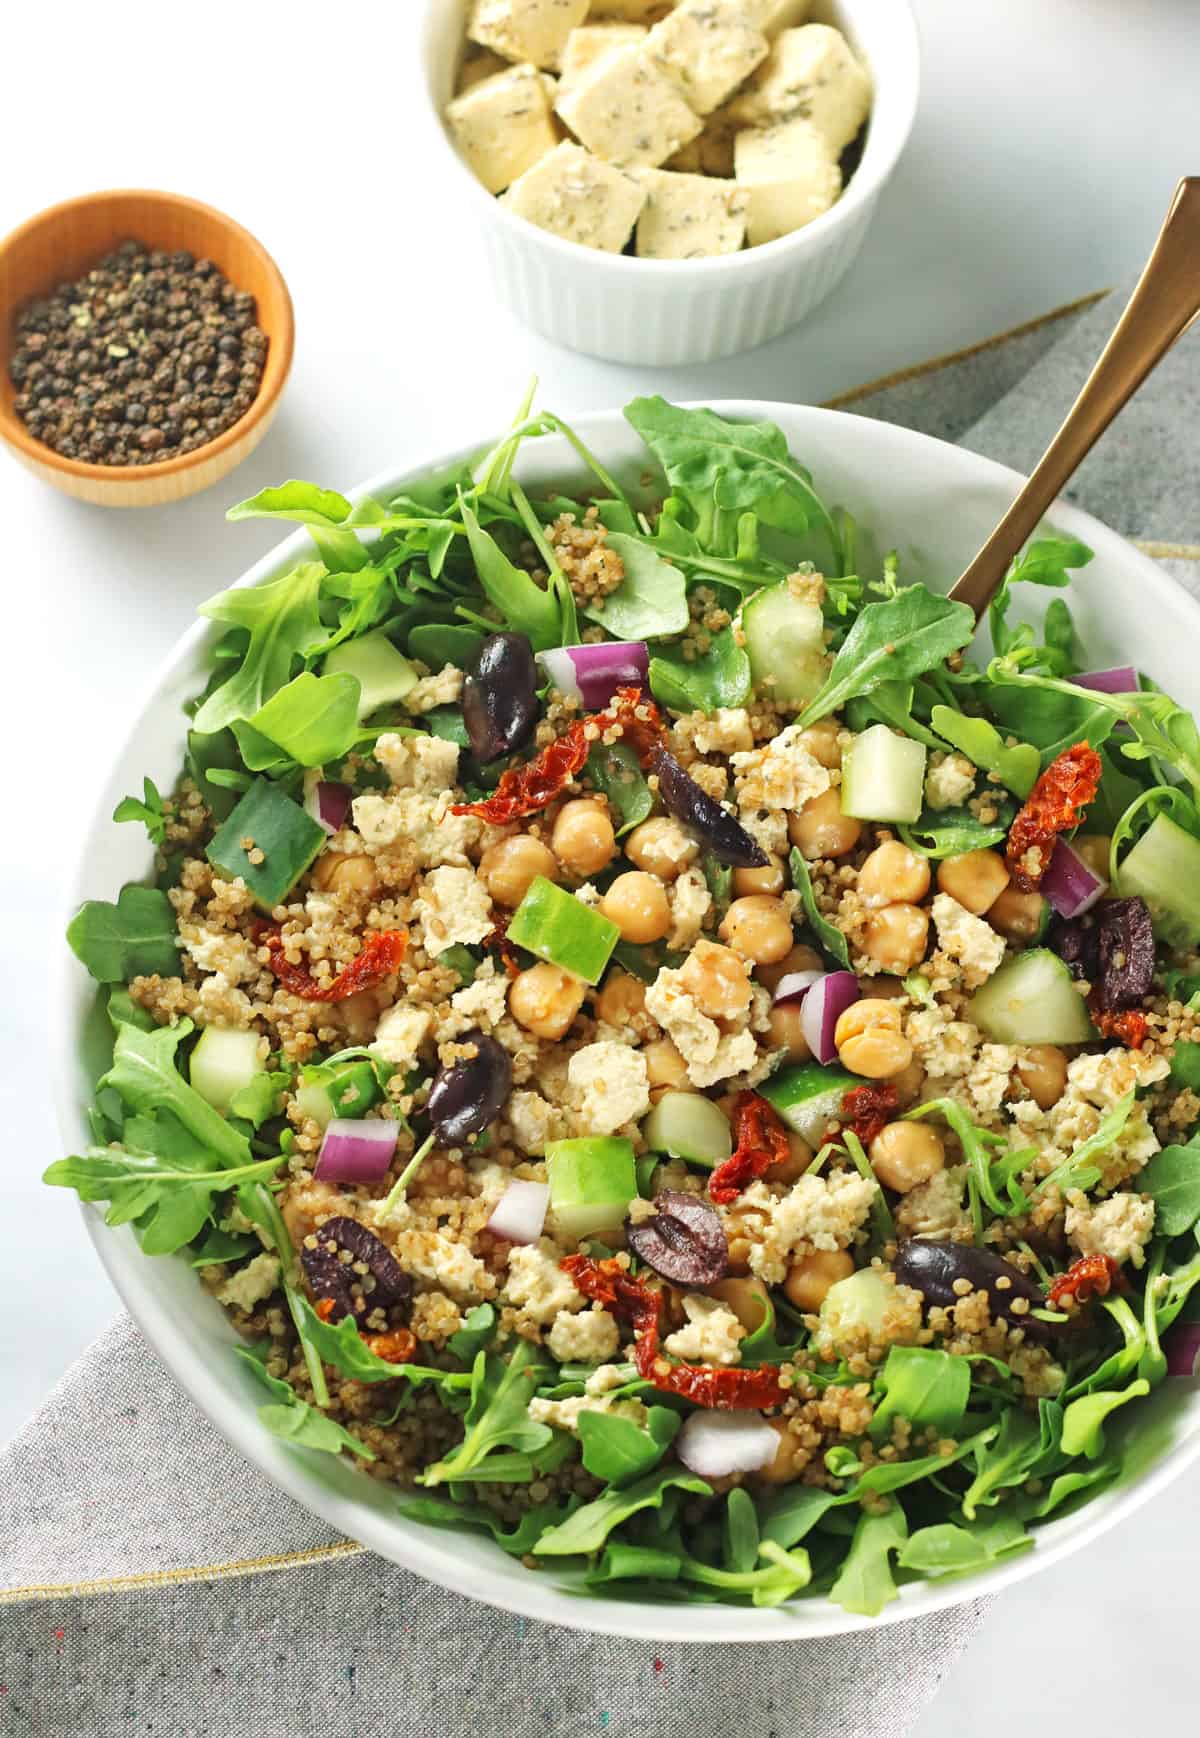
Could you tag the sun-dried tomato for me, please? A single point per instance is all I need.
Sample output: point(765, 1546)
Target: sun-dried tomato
point(497, 938)
point(1055, 805)
point(394, 1348)
point(1091, 1276)
point(380, 956)
point(867, 1110)
point(324, 1308)
point(762, 1141)
point(1129, 1024)
point(607, 1282)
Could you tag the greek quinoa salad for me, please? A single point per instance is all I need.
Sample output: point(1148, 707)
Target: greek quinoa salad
point(663, 1051)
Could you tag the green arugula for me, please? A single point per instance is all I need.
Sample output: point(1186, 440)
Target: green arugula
point(1079, 1170)
point(478, 1330)
point(650, 601)
point(284, 623)
point(589, 1527)
point(740, 1535)
point(720, 678)
point(829, 937)
point(313, 719)
point(145, 1074)
point(614, 770)
point(1084, 1419)
point(135, 936)
point(209, 759)
point(218, 1245)
point(992, 1166)
point(1016, 767)
point(518, 1541)
point(1172, 1180)
point(927, 1387)
point(295, 1420)
point(498, 1415)
point(946, 1549)
point(1046, 562)
point(341, 1345)
point(890, 703)
point(522, 602)
point(1003, 1457)
point(618, 1451)
point(865, 1583)
point(303, 503)
point(892, 641)
point(949, 832)
point(1072, 1484)
point(148, 809)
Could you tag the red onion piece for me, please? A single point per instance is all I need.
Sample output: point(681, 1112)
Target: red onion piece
point(715, 1444)
point(1181, 1343)
point(356, 1152)
point(592, 674)
point(328, 804)
point(1070, 886)
point(1120, 679)
point(794, 986)
point(828, 998)
point(520, 1213)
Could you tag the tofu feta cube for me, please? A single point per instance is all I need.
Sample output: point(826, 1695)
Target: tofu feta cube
point(503, 125)
point(628, 112)
point(772, 16)
point(790, 174)
point(707, 48)
point(711, 151)
point(689, 216)
point(811, 72)
point(587, 46)
point(575, 195)
point(534, 30)
point(645, 12)
point(476, 67)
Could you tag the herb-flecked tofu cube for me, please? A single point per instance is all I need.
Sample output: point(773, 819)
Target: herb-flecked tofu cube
point(503, 125)
point(579, 197)
point(811, 72)
point(772, 16)
point(533, 30)
point(627, 112)
point(790, 175)
point(706, 48)
point(689, 216)
point(589, 44)
point(645, 12)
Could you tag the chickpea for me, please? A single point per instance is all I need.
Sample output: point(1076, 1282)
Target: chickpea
point(768, 880)
point(786, 1033)
point(884, 987)
point(811, 1277)
point(822, 830)
point(1094, 848)
point(1043, 1072)
point(891, 872)
point(620, 999)
point(908, 1084)
point(358, 1015)
point(583, 837)
point(665, 1067)
point(758, 927)
point(904, 1154)
point(511, 865)
point(870, 1041)
point(335, 872)
point(790, 1457)
point(637, 903)
point(791, 1169)
point(747, 1298)
point(717, 980)
point(821, 741)
point(661, 847)
point(896, 935)
point(975, 878)
point(1017, 915)
point(797, 959)
point(545, 1000)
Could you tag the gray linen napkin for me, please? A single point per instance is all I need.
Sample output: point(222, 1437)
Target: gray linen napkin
point(156, 1583)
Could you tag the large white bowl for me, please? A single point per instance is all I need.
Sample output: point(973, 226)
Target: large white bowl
point(934, 504)
point(667, 312)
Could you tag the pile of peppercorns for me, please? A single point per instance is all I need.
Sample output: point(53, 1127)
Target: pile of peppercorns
point(148, 356)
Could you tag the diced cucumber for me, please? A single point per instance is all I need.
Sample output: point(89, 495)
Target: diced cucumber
point(1031, 999)
point(785, 640)
point(348, 1090)
point(277, 827)
point(554, 925)
point(223, 1062)
point(808, 1096)
point(883, 776)
point(855, 1309)
point(686, 1125)
point(384, 675)
point(592, 1182)
point(1164, 869)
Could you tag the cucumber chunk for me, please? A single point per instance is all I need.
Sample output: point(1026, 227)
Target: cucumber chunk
point(685, 1125)
point(384, 675)
point(785, 640)
point(592, 1182)
point(855, 1309)
point(1163, 868)
point(349, 1090)
point(223, 1062)
point(1031, 999)
point(554, 925)
point(883, 776)
point(277, 827)
point(808, 1097)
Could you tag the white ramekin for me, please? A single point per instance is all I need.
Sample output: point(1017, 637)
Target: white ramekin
point(665, 312)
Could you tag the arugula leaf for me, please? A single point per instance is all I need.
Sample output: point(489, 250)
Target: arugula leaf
point(1078, 1171)
point(1172, 1179)
point(615, 770)
point(890, 703)
point(589, 1527)
point(950, 832)
point(1083, 1420)
point(1016, 767)
point(284, 623)
point(720, 678)
point(297, 1421)
point(1071, 1484)
point(946, 1549)
point(304, 503)
point(740, 1532)
point(991, 1163)
point(1003, 1458)
point(210, 758)
point(892, 641)
point(313, 719)
point(791, 1515)
point(866, 1584)
point(929, 1388)
point(258, 1100)
point(436, 644)
point(650, 601)
point(148, 809)
point(618, 1451)
point(144, 1073)
point(518, 1541)
point(341, 1345)
point(522, 602)
point(718, 878)
point(1045, 562)
point(829, 937)
point(621, 1561)
point(477, 1331)
point(498, 1416)
point(218, 1245)
point(1185, 1065)
point(135, 936)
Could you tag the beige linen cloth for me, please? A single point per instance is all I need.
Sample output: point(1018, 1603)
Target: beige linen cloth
point(152, 1582)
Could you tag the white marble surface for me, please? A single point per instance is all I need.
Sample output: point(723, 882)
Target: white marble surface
point(1050, 135)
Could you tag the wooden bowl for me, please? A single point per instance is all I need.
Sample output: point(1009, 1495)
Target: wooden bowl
point(67, 240)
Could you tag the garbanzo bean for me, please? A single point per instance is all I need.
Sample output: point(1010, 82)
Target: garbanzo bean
point(790, 1458)
point(511, 865)
point(335, 872)
point(768, 880)
point(620, 997)
point(904, 1154)
point(1043, 1072)
point(583, 838)
point(759, 927)
point(811, 1277)
point(665, 1067)
point(786, 1033)
point(870, 1040)
point(1017, 915)
point(975, 878)
point(883, 987)
point(661, 847)
point(791, 1169)
point(891, 872)
point(821, 741)
point(747, 1298)
point(1094, 848)
point(896, 936)
point(797, 959)
point(637, 903)
point(717, 981)
point(822, 830)
point(545, 1000)
point(908, 1084)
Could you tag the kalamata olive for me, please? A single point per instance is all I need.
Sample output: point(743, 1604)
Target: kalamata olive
point(1076, 941)
point(685, 1241)
point(726, 838)
point(353, 1293)
point(468, 1095)
point(931, 1268)
point(499, 697)
point(1126, 953)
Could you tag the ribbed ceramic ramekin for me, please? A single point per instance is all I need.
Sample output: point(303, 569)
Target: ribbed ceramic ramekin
point(665, 312)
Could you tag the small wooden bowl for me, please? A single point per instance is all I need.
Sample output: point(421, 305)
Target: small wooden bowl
point(64, 242)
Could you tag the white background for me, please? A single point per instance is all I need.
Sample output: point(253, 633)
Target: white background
point(1050, 135)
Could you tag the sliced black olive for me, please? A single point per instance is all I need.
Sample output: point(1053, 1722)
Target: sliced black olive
point(330, 1277)
point(726, 838)
point(499, 698)
point(468, 1095)
point(932, 1268)
point(685, 1241)
point(1126, 953)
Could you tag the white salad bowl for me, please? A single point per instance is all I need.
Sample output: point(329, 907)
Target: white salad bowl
point(931, 502)
point(668, 312)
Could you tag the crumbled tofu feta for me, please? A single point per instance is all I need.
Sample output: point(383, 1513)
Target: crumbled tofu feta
point(589, 44)
point(816, 1213)
point(537, 1285)
point(454, 909)
point(614, 1086)
point(251, 1284)
point(478, 65)
point(689, 216)
point(534, 1121)
point(690, 904)
point(1120, 1227)
point(443, 689)
point(608, 1377)
point(535, 30)
point(769, 831)
point(783, 774)
point(725, 731)
point(772, 16)
point(589, 895)
point(587, 1338)
point(420, 763)
point(1096, 1083)
point(790, 174)
point(811, 72)
point(502, 126)
point(443, 1262)
point(564, 1414)
point(575, 195)
point(710, 1054)
point(935, 1208)
point(645, 12)
point(400, 1033)
point(1105, 1077)
point(483, 1001)
point(946, 1048)
point(706, 48)
point(628, 112)
point(973, 943)
point(989, 1078)
point(949, 782)
point(711, 1335)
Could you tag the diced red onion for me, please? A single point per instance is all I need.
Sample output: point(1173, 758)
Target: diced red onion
point(715, 1444)
point(1181, 1343)
point(592, 674)
point(328, 804)
point(356, 1152)
point(1121, 679)
point(520, 1213)
point(825, 1002)
point(794, 986)
point(1069, 884)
